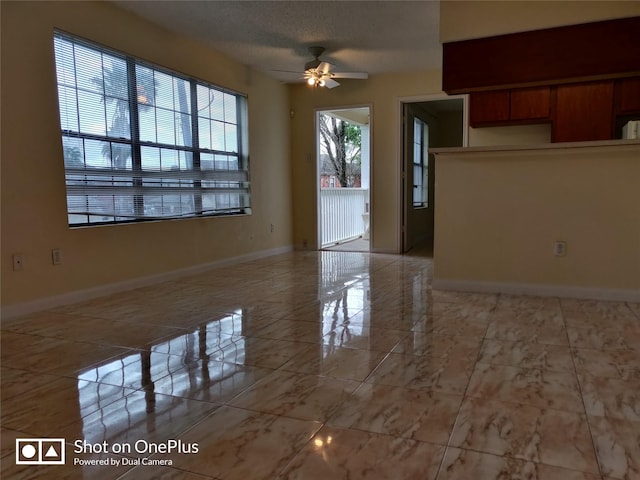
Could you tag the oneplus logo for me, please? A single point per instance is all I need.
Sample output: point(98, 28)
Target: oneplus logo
point(40, 451)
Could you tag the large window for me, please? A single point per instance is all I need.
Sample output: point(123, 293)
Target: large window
point(420, 163)
point(144, 143)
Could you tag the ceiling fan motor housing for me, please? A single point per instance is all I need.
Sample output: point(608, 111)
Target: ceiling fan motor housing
point(315, 63)
point(312, 65)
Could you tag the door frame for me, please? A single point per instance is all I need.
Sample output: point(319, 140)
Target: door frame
point(317, 112)
point(402, 158)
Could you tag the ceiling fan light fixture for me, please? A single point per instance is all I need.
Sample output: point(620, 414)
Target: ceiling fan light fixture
point(317, 73)
point(311, 66)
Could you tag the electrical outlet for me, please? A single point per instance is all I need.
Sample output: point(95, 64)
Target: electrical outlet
point(273, 228)
point(56, 256)
point(560, 248)
point(18, 262)
point(305, 244)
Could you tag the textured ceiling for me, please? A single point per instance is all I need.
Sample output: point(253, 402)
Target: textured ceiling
point(359, 36)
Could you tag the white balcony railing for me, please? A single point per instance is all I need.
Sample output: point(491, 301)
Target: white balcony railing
point(342, 212)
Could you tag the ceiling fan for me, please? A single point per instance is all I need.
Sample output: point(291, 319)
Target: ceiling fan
point(318, 73)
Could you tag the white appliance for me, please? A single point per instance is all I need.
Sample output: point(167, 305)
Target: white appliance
point(631, 130)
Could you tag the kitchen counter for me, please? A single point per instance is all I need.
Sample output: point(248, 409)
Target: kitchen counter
point(500, 210)
point(616, 144)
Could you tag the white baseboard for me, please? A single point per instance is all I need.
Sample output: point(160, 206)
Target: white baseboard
point(19, 309)
point(541, 290)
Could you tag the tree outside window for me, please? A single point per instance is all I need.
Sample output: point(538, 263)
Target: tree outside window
point(340, 149)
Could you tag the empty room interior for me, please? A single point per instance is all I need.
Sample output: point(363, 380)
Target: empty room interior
point(320, 240)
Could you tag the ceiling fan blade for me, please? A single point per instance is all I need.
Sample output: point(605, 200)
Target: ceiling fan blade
point(323, 68)
point(330, 83)
point(359, 75)
point(285, 71)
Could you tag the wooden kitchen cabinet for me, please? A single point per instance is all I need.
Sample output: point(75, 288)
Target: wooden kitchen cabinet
point(627, 93)
point(505, 107)
point(531, 104)
point(489, 108)
point(583, 112)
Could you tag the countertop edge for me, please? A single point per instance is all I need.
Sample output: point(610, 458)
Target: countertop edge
point(543, 146)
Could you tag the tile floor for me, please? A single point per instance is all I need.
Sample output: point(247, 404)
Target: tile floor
point(327, 365)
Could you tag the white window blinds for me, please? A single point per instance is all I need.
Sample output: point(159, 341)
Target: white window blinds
point(142, 143)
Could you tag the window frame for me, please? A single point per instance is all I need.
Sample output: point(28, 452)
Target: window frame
point(137, 183)
point(422, 165)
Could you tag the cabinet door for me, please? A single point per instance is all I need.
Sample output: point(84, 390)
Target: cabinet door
point(488, 108)
point(628, 96)
point(583, 112)
point(531, 104)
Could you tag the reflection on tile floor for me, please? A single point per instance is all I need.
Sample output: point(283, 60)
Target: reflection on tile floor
point(327, 365)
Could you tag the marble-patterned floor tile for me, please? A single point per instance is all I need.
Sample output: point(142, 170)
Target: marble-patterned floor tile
point(191, 346)
point(268, 311)
point(386, 307)
point(147, 472)
point(237, 324)
point(466, 464)
point(8, 443)
point(617, 444)
point(128, 304)
point(190, 316)
point(259, 352)
point(348, 363)
point(447, 296)
point(616, 364)
point(614, 398)
point(45, 410)
point(619, 317)
point(528, 302)
point(239, 444)
point(364, 338)
point(69, 471)
point(15, 382)
point(307, 397)
point(46, 323)
point(527, 355)
point(137, 369)
point(327, 312)
point(292, 330)
point(601, 308)
point(210, 381)
point(141, 415)
point(544, 318)
point(351, 454)
point(473, 312)
point(451, 326)
point(422, 372)
point(605, 338)
point(51, 355)
point(401, 412)
point(522, 329)
point(102, 331)
point(444, 347)
point(359, 345)
point(529, 386)
point(548, 436)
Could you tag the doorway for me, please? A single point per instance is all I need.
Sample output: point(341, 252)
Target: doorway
point(344, 170)
point(429, 123)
